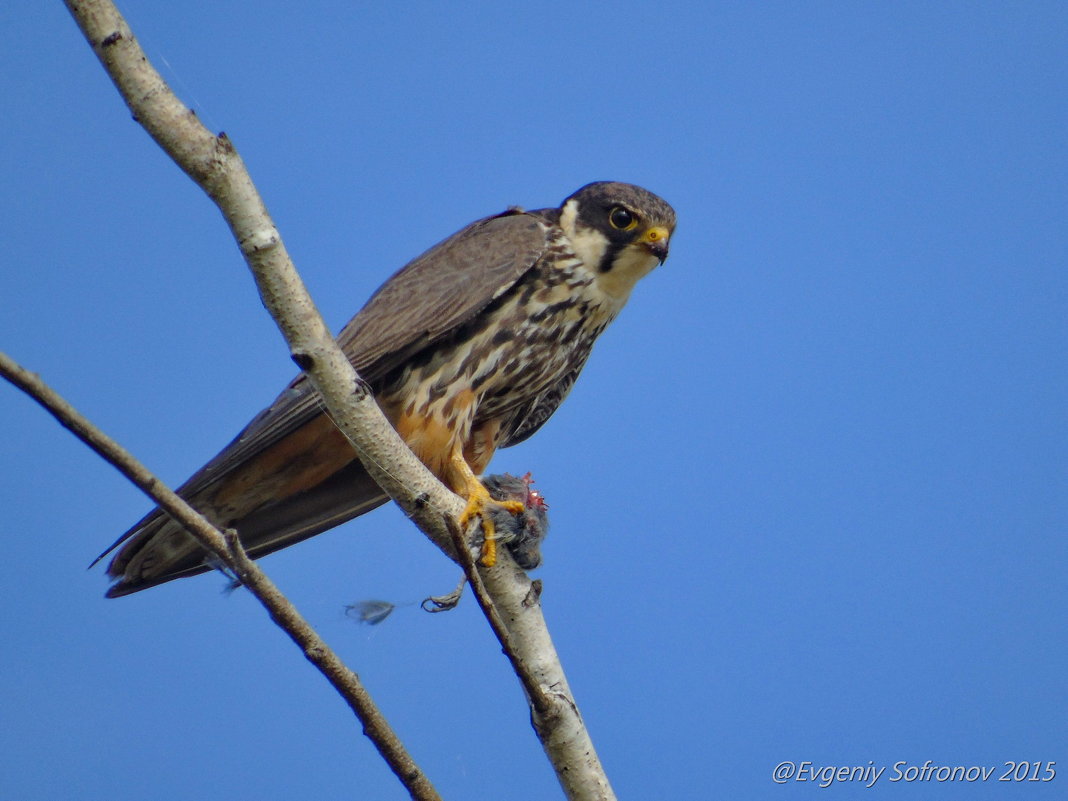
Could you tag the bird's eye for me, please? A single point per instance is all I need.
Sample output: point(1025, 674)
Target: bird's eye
point(622, 219)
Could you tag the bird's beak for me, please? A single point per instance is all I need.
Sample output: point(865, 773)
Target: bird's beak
point(655, 240)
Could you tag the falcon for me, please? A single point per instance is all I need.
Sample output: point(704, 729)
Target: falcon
point(468, 348)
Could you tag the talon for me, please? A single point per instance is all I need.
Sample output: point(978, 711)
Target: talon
point(477, 502)
point(467, 484)
point(488, 557)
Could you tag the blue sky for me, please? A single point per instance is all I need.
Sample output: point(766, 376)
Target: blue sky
point(809, 497)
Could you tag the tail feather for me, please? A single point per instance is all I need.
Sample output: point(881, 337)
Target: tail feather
point(158, 550)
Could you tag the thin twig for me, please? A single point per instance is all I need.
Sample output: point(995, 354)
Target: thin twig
point(282, 612)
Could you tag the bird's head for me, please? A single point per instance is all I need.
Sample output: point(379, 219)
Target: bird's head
point(620, 230)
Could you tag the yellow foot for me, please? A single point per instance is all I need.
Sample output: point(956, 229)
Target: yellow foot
point(477, 502)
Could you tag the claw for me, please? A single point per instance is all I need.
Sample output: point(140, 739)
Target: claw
point(477, 502)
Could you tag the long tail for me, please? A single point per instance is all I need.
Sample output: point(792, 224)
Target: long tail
point(158, 550)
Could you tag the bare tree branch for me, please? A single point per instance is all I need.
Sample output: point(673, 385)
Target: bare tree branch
point(229, 550)
point(212, 162)
point(539, 700)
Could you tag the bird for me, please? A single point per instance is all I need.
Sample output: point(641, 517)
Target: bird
point(468, 348)
point(520, 529)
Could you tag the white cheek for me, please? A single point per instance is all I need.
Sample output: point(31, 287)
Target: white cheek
point(590, 246)
point(587, 244)
point(631, 265)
